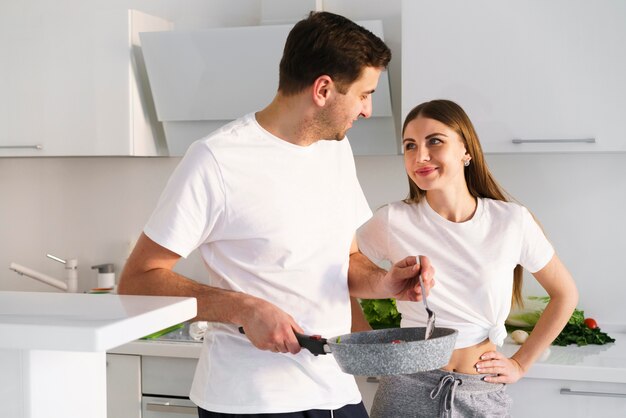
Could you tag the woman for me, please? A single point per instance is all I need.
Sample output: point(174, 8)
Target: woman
point(478, 240)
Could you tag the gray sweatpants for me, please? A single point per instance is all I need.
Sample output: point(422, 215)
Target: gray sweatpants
point(439, 393)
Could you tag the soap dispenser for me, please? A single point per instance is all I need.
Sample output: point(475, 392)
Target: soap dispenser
point(106, 276)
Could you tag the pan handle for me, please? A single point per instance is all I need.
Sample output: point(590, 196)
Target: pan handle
point(314, 343)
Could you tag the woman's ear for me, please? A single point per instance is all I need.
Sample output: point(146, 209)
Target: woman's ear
point(467, 159)
point(322, 88)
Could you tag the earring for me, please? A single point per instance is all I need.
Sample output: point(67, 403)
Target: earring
point(466, 163)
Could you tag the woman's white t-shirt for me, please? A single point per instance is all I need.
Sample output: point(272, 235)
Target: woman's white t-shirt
point(273, 220)
point(473, 261)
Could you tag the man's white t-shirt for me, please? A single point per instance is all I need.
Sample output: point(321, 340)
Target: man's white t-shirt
point(274, 220)
point(473, 261)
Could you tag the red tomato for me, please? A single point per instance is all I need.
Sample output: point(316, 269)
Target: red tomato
point(591, 323)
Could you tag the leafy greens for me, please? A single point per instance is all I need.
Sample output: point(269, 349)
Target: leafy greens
point(575, 331)
point(381, 313)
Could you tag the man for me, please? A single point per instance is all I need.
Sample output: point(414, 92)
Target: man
point(272, 202)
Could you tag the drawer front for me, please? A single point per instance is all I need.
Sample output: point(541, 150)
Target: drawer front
point(570, 398)
point(167, 376)
point(162, 407)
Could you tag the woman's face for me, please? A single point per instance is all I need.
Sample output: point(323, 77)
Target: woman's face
point(434, 155)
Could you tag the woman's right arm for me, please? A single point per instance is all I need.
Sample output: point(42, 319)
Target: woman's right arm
point(560, 286)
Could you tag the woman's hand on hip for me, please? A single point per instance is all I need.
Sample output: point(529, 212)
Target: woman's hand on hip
point(499, 367)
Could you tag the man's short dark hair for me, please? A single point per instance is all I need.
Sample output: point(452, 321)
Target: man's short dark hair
point(328, 44)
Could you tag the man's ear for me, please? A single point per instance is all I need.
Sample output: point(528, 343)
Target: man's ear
point(322, 89)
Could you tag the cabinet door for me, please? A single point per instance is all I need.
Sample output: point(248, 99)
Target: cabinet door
point(567, 398)
point(69, 81)
point(123, 386)
point(532, 71)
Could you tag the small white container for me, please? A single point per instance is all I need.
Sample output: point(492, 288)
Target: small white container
point(106, 276)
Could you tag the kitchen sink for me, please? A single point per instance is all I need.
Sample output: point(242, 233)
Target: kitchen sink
point(179, 334)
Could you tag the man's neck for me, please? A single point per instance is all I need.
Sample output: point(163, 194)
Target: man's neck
point(290, 119)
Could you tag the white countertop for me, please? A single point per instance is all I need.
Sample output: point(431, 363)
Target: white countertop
point(600, 363)
point(595, 363)
point(84, 322)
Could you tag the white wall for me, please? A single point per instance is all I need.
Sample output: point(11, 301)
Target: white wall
point(93, 208)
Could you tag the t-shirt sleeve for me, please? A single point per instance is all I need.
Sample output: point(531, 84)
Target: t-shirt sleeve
point(372, 237)
point(191, 204)
point(536, 250)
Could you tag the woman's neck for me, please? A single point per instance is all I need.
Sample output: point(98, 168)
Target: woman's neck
point(454, 206)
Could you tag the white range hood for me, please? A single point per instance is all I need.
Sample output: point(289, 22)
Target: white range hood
point(202, 79)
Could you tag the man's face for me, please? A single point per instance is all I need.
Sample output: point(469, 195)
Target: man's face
point(340, 113)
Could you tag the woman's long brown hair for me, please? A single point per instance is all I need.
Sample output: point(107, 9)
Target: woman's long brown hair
point(480, 181)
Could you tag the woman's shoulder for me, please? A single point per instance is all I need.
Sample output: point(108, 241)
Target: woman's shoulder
point(398, 206)
point(501, 205)
point(392, 210)
point(503, 209)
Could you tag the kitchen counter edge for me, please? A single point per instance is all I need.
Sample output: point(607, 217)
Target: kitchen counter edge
point(160, 349)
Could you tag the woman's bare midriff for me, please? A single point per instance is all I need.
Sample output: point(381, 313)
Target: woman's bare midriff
point(464, 360)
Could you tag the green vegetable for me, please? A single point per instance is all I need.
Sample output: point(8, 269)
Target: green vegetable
point(163, 331)
point(381, 313)
point(528, 317)
point(581, 334)
point(575, 331)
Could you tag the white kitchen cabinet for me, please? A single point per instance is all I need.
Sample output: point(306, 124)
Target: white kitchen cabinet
point(71, 81)
point(141, 385)
point(572, 381)
point(567, 398)
point(167, 371)
point(123, 386)
point(533, 71)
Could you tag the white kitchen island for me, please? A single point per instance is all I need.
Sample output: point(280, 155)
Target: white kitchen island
point(53, 345)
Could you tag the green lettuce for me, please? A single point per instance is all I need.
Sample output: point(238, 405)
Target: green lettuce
point(381, 313)
point(528, 316)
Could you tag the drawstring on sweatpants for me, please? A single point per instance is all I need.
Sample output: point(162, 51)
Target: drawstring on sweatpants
point(447, 384)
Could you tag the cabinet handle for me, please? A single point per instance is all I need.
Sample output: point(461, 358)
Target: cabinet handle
point(555, 141)
point(36, 146)
point(565, 391)
point(174, 409)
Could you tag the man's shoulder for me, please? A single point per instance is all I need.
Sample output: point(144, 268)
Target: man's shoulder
point(241, 128)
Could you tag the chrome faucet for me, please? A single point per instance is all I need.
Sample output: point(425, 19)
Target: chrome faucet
point(69, 285)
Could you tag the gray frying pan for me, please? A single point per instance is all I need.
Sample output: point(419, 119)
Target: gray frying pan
point(384, 352)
